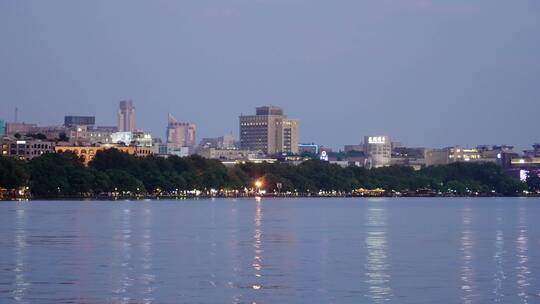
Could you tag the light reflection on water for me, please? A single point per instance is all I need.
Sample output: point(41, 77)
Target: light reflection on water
point(377, 266)
point(257, 245)
point(122, 259)
point(499, 258)
point(271, 251)
point(522, 248)
point(467, 251)
point(21, 284)
point(147, 277)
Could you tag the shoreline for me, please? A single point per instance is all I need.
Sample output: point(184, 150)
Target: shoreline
point(205, 197)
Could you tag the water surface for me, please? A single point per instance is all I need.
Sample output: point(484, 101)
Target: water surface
point(395, 250)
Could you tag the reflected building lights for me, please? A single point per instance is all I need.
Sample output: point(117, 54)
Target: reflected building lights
point(148, 278)
point(257, 244)
point(523, 275)
point(21, 285)
point(235, 249)
point(125, 281)
point(378, 278)
point(467, 270)
point(498, 257)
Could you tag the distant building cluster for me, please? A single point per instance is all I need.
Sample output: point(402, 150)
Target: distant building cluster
point(267, 136)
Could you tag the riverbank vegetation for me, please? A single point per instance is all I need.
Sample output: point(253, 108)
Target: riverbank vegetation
point(116, 173)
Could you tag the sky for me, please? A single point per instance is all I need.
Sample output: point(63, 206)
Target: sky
point(429, 73)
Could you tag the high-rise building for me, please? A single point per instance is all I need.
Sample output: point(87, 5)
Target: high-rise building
point(126, 116)
point(2, 127)
point(181, 134)
point(71, 120)
point(379, 150)
point(270, 131)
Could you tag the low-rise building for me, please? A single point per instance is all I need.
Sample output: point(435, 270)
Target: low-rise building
point(87, 153)
point(459, 153)
point(223, 142)
point(99, 135)
point(351, 148)
point(411, 157)
point(535, 152)
point(437, 157)
point(176, 150)
point(74, 120)
point(25, 148)
point(497, 154)
point(51, 132)
point(20, 128)
point(229, 154)
point(137, 138)
point(311, 148)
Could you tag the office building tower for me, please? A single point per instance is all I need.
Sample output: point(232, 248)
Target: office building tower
point(270, 131)
point(126, 116)
point(379, 150)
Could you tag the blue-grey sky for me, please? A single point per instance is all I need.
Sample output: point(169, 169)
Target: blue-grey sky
point(425, 72)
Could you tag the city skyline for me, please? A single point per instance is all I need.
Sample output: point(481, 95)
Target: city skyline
point(164, 134)
point(270, 151)
point(425, 73)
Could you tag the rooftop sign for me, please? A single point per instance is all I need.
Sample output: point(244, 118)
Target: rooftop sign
point(376, 139)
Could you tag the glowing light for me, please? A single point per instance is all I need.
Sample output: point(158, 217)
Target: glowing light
point(523, 174)
point(258, 183)
point(376, 139)
point(324, 156)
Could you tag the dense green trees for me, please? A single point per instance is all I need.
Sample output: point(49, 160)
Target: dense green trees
point(13, 173)
point(55, 174)
point(533, 181)
point(114, 171)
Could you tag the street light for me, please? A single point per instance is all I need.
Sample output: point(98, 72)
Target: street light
point(258, 185)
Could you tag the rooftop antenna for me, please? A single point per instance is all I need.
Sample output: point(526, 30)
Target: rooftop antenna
point(16, 114)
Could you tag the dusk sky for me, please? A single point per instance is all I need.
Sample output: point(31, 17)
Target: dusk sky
point(426, 73)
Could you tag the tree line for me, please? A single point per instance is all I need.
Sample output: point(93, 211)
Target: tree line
point(64, 174)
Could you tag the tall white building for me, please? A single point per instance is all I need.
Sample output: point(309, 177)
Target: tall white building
point(379, 150)
point(126, 116)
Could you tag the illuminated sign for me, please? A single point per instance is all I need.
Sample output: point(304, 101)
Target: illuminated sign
point(324, 156)
point(21, 142)
point(376, 139)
